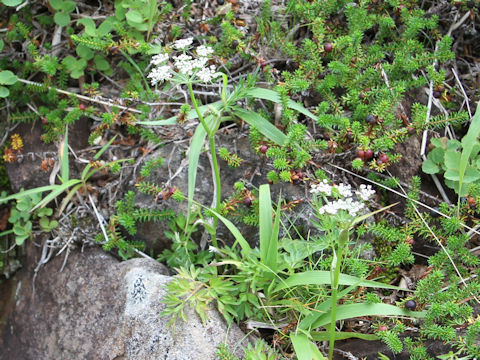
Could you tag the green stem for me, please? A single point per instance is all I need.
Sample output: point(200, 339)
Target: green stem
point(134, 64)
point(197, 109)
point(343, 239)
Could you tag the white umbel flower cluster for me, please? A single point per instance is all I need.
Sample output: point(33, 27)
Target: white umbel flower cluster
point(347, 202)
point(196, 67)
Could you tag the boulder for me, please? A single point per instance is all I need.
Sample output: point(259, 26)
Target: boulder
point(100, 308)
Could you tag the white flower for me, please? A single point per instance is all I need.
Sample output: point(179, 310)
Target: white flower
point(365, 192)
point(322, 187)
point(204, 51)
point(183, 43)
point(160, 74)
point(158, 59)
point(207, 74)
point(344, 190)
point(184, 64)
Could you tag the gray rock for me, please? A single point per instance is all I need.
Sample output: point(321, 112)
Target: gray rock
point(99, 308)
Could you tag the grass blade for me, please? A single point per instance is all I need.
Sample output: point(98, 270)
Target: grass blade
point(322, 277)
point(341, 335)
point(262, 124)
point(366, 309)
point(246, 249)
point(265, 227)
point(273, 96)
point(304, 348)
point(105, 147)
point(63, 154)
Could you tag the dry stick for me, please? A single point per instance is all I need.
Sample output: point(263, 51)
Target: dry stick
point(463, 92)
point(402, 195)
point(82, 97)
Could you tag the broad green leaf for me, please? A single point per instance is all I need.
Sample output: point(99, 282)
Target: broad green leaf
point(68, 6)
point(7, 77)
point(4, 92)
point(437, 155)
point(90, 28)
point(439, 142)
point(101, 63)
point(468, 141)
point(471, 174)
point(84, 52)
point(350, 311)
point(134, 16)
point(429, 167)
point(452, 175)
point(12, 2)
point(56, 4)
point(61, 18)
point(19, 240)
point(452, 159)
point(322, 277)
point(262, 124)
point(1, 44)
point(268, 233)
point(304, 348)
point(106, 26)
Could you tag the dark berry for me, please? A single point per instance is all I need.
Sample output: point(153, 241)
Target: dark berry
point(234, 43)
point(368, 154)
point(82, 107)
point(410, 305)
point(220, 2)
point(248, 201)
point(349, 136)
point(383, 158)
point(328, 47)
point(263, 64)
point(263, 149)
point(435, 214)
point(371, 119)
point(437, 94)
point(361, 153)
point(470, 4)
point(410, 130)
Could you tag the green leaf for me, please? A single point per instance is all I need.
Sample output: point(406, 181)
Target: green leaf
point(429, 167)
point(468, 142)
point(2, 44)
point(246, 249)
point(452, 175)
point(134, 16)
point(271, 95)
point(437, 155)
point(4, 92)
point(322, 277)
point(341, 335)
point(452, 159)
point(63, 155)
point(350, 311)
point(262, 124)
point(56, 4)
point(7, 77)
point(19, 240)
point(101, 63)
point(84, 52)
point(61, 18)
point(68, 6)
point(90, 28)
point(12, 2)
point(304, 348)
point(106, 26)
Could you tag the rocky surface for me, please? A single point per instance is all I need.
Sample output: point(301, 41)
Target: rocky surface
point(99, 308)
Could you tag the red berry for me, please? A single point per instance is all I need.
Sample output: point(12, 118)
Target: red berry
point(82, 107)
point(263, 149)
point(328, 47)
point(410, 305)
point(383, 158)
point(360, 153)
point(410, 130)
point(368, 154)
point(44, 120)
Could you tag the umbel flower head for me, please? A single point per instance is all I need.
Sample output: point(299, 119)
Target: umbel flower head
point(344, 199)
point(193, 67)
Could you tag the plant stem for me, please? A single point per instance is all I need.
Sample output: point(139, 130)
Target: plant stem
point(216, 167)
point(343, 239)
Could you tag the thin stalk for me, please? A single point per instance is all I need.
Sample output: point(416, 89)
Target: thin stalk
point(343, 238)
point(216, 168)
point(134, 64)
